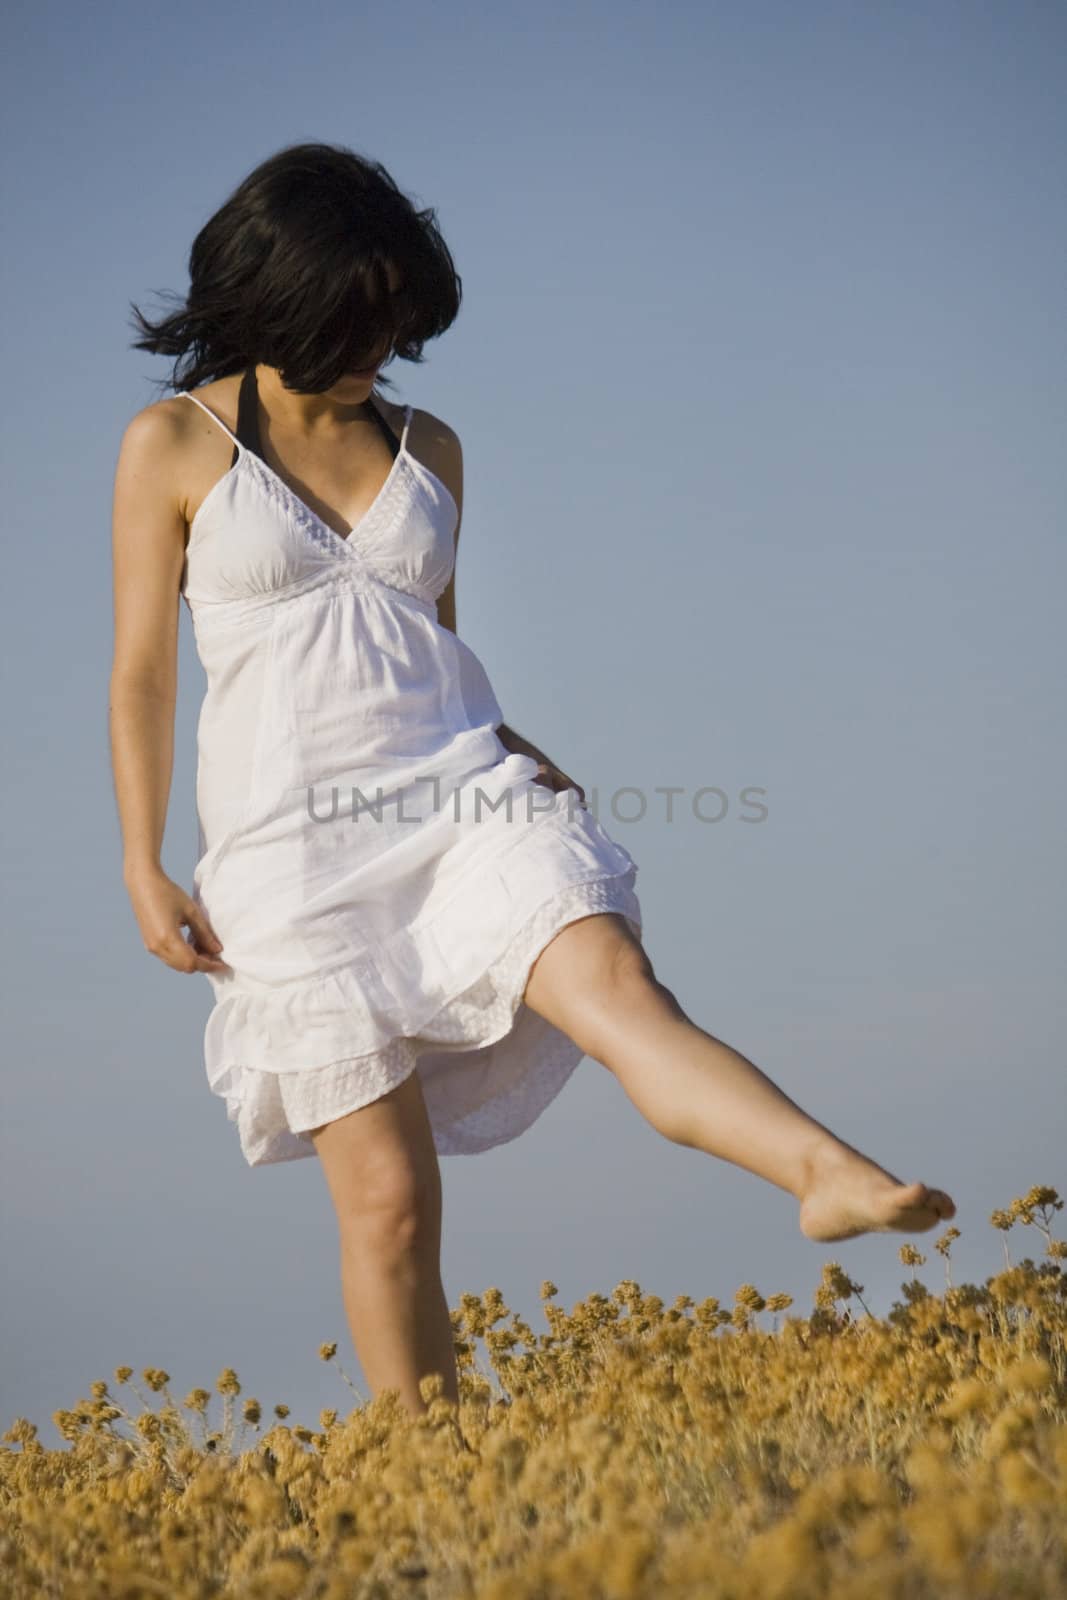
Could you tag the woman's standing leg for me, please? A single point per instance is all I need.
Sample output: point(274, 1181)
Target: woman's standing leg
point(382, 1172)
point(595, 981)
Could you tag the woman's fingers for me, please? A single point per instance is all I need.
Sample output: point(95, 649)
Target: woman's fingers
point(557, 780)
point(204, 942)
point(174, 951)
point(204, 936)
point(163, 909)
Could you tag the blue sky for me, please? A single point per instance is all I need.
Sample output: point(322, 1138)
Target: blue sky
point(760, 379)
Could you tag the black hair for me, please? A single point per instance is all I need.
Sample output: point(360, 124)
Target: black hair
point(291, 272)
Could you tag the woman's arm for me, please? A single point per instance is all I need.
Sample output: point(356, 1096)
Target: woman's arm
point(450, 470)
point(148, 552)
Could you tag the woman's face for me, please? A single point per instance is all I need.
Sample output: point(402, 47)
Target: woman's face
point(362, 382)
point(368, 375)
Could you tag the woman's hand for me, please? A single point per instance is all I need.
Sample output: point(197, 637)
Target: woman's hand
point(551, 776)
point(162, 909)
point(554, 778)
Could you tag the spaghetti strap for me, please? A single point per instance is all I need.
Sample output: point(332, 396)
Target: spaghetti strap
point(189, 395)
point(243, 407)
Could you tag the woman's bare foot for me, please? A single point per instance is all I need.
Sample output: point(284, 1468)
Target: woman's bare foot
point(846, 1195)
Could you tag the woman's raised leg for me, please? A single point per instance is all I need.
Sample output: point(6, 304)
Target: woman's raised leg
point(595, 982)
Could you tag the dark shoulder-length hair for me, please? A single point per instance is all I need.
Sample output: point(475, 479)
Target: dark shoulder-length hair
point(291, 272)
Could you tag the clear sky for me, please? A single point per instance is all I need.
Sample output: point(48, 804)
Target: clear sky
point(759, 375)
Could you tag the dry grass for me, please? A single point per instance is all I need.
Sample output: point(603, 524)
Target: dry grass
point(634, 1449)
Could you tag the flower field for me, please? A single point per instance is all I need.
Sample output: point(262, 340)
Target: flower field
point(744, 1452)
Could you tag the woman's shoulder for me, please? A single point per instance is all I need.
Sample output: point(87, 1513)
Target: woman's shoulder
point(170, 421)
point(428, 422)
point(436, 444)
point(429, 435)
point(220, 395)
point(175, 444)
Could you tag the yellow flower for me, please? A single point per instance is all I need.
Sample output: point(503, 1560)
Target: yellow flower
point(1022, 1483)
point(969, 1395)
point(1030, 1374)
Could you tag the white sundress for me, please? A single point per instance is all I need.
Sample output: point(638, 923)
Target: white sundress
point(381, 870)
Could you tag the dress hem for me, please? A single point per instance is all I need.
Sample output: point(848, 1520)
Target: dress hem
point(489, 1095)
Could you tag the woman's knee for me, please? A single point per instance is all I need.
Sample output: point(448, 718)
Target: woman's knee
point(394, 1207)
point(594, 975)
point(633, 990)
point(382, 1170)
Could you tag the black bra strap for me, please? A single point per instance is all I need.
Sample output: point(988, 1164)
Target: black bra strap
point(390, 437)
point(247, 429)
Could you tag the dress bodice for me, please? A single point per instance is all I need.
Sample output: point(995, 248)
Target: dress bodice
point(253, 538)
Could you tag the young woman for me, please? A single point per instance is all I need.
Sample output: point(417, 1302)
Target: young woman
point(413, 927)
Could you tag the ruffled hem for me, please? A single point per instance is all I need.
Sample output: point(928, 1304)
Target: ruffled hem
point(365, 995)
point(488, 1064)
